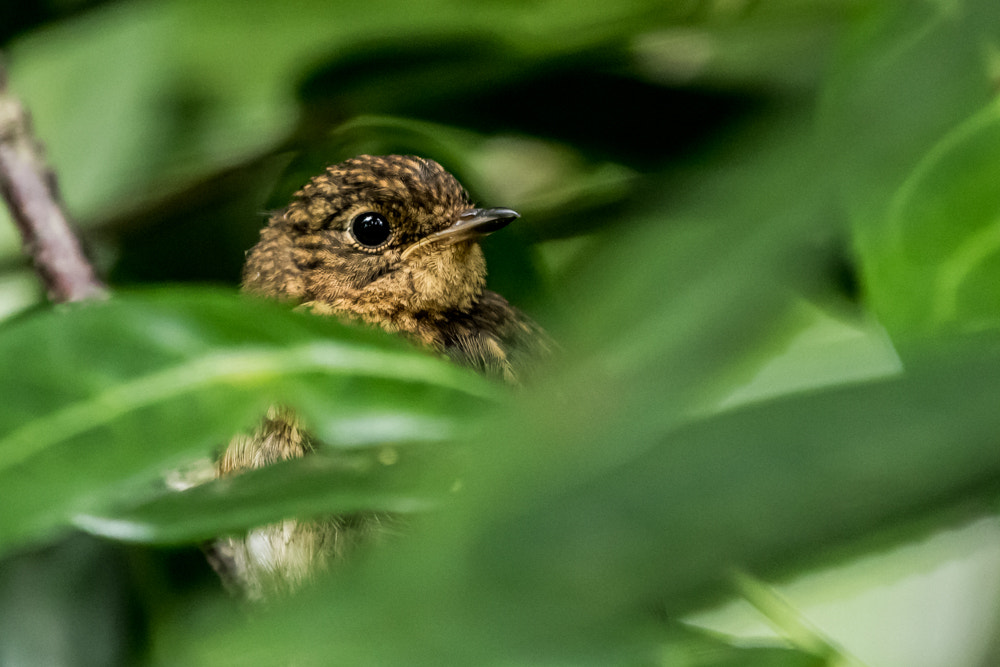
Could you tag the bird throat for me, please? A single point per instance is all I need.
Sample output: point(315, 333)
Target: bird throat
point(437, 284)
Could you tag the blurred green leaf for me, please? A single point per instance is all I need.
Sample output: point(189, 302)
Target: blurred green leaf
point(68, 604)
point(579, 570)
point(102, 398)
point(761, 487)
point(906, 75)
point(910, 122)
point(944, 227)
point(385, 479)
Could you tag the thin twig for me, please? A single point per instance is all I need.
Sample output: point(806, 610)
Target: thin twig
point(29, 187)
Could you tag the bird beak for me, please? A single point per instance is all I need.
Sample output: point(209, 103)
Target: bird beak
point(475, 223)
point(470, 225)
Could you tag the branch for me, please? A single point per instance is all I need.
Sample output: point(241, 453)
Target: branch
point(29, 187)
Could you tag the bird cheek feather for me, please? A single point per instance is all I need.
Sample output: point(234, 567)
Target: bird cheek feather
point(449, 278)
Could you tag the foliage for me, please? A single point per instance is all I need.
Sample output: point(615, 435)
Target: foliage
point(706, 188)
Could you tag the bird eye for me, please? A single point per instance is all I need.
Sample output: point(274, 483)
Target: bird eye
point(371, 229)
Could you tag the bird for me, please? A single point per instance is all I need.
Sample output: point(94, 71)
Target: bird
point(391, 242)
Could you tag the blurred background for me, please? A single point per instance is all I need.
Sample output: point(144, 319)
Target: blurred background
point(765, 235)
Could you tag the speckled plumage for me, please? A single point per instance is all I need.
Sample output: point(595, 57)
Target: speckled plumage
point(426, 282)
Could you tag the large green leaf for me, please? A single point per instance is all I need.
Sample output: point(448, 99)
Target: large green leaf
point(102, 398)
point(585, 568)
point(911, 126)
point(760, 487)
point(940, 267)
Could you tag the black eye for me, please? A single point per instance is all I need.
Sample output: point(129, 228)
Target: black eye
point(371, 229)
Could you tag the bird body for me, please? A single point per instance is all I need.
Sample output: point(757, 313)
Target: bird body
point(390, 241)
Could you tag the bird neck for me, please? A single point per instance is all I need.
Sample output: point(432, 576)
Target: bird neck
point(427, 327)
point(431, 288)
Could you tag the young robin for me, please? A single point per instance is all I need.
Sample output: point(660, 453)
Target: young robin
point(391, 241)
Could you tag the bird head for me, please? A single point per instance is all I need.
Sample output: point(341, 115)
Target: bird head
point(377, 237)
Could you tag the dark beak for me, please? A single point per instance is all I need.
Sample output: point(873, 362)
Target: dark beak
point(470, 225)
point(475, 223)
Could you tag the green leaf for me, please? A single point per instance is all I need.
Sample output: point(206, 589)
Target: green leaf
point(384, 479)
point(577, 570)
point(939, 268)
point(67, 605)
point(907, 75)
point(101, 399)
point(765, 487)
point(912, 128)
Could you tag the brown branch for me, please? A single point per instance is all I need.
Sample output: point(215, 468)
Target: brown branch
point(29, 187)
